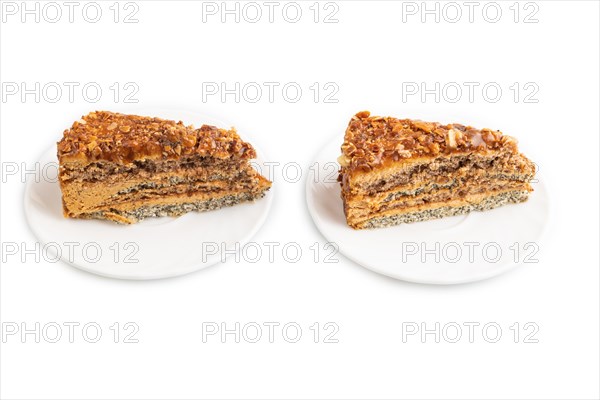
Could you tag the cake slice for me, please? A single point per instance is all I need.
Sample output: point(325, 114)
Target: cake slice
point(125, 168)
point(399, 170)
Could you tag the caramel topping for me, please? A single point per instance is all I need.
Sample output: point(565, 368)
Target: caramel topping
point(120, 138)
point(373, 141)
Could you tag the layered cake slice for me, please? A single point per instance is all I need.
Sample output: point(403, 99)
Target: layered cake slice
point(399, 170)
point(125, 168)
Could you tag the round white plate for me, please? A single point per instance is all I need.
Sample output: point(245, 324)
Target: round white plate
point(451, 250)
point(151, 249)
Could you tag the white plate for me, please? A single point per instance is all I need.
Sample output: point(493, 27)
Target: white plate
point(151, 249)
point(451, 250)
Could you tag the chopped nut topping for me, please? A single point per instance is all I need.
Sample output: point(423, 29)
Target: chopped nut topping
point(423, 126)
point(96, 137)
point(343, 161)
point(372, 141)
point(451, 136)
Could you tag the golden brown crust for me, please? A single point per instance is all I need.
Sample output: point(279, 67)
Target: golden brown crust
point(103, 135)
point(374, 141)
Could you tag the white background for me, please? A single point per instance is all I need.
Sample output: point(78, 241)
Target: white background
point(369, 53)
